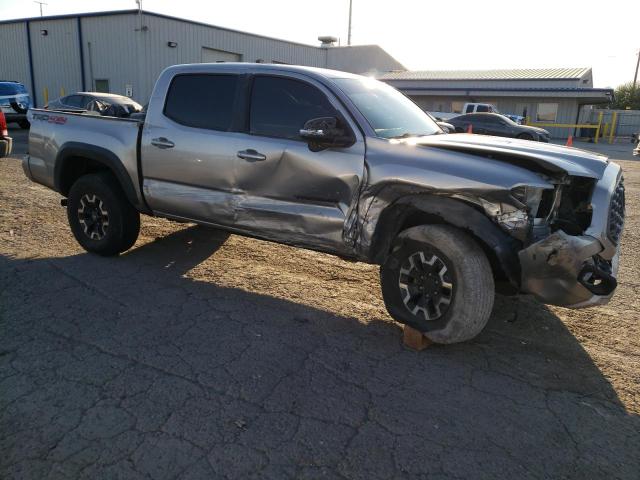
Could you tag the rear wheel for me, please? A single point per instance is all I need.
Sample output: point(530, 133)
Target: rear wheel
point(438, 280)
point(101, 218)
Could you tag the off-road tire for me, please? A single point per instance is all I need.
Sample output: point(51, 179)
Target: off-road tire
point(468, 271)
point(123, 220)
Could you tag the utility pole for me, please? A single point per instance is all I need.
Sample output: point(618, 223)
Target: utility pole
point(349, 33)
point(635, 77)
point(41, 4)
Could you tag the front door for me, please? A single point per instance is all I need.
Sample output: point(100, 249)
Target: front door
point(188, 149)
point(288, 192)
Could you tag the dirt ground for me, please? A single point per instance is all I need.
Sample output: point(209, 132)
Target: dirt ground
point(269, 361)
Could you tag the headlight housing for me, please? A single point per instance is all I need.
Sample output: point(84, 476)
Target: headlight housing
point(537, 200)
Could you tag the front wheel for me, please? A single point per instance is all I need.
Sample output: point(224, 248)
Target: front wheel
point(101, 218)
point(438, 280)
point(525, 136)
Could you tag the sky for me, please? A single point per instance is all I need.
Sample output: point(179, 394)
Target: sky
point(422, 34)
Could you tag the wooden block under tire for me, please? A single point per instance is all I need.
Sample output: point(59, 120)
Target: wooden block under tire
point(414, 339)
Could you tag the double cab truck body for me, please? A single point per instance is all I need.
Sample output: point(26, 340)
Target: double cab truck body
point(347, 165)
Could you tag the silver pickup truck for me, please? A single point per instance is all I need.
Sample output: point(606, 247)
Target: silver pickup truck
point(344, 164)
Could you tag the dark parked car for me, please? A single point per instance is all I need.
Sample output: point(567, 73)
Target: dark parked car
point(14, 102)
point(105, 104)
point(498, 125)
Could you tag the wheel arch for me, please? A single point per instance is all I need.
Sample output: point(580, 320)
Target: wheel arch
point(423, 209)
point(75, 159)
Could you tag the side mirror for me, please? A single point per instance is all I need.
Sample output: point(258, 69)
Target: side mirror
point(446, 127)
point(325, 132)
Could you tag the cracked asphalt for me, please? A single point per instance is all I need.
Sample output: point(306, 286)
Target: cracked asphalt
point(197, 355)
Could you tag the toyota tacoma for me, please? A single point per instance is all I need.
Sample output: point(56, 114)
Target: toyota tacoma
point(344, 164)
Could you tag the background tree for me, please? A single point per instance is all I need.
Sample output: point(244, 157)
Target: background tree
point(625, 96)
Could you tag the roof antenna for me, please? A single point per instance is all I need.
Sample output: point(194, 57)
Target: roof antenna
point(41, 4)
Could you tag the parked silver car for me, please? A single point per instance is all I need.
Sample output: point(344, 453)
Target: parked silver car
point(105, 104)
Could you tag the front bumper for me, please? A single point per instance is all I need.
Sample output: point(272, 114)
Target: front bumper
point(6, 145)
point(580, 271)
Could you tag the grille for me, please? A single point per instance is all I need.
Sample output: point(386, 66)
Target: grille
point(616, 213)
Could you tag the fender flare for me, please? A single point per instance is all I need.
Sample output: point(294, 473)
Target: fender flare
point(70, 150)
point(453, 212)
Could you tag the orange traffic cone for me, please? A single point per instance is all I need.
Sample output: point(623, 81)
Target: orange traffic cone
point(470, 129)
point(570, 141)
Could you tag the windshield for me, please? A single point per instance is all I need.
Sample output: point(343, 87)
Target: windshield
point(126, 101)
point(508, 120)
point(389, 112)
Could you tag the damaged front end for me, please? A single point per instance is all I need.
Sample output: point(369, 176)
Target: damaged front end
point(571, 254)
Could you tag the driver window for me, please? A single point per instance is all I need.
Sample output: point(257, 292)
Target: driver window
point(281, 106)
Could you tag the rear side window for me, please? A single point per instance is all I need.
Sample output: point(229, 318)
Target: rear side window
point(482, 108)
point(202, 100)
point(74, 101)
point(280, 106)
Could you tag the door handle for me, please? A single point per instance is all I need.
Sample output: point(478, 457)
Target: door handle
point(251, 154)
point(162, 143)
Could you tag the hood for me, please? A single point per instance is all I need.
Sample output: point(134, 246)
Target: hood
point(549, 158)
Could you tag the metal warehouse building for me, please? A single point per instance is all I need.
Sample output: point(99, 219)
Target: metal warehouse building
point(548, 95)
point(124, 51)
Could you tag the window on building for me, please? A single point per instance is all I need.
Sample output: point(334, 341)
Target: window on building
point(456, 106)
point(280, 106)
point(102, 85)
point(202, 101)
point(547, 112)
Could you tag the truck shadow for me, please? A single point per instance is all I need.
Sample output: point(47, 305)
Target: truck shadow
point(234, 374)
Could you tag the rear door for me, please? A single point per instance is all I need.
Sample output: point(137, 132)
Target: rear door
point(188, 148)
point(288, 192)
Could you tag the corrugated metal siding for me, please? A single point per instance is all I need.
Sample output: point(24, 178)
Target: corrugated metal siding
point(117, 49)
point(125, 54)
point(14, 56)
point(111, 52)
point(363, 59)
point(627, 122)
point(56, 63)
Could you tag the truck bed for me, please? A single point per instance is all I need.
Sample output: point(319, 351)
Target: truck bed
point(54, 133)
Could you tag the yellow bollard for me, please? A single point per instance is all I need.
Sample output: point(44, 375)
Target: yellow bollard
point(613, 126)
point(62, 91)
point(46, 95)
point(598, 127)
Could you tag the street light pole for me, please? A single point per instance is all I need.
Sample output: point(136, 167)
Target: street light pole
point(349, 33)
point(635, 77)
point(41, 4)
